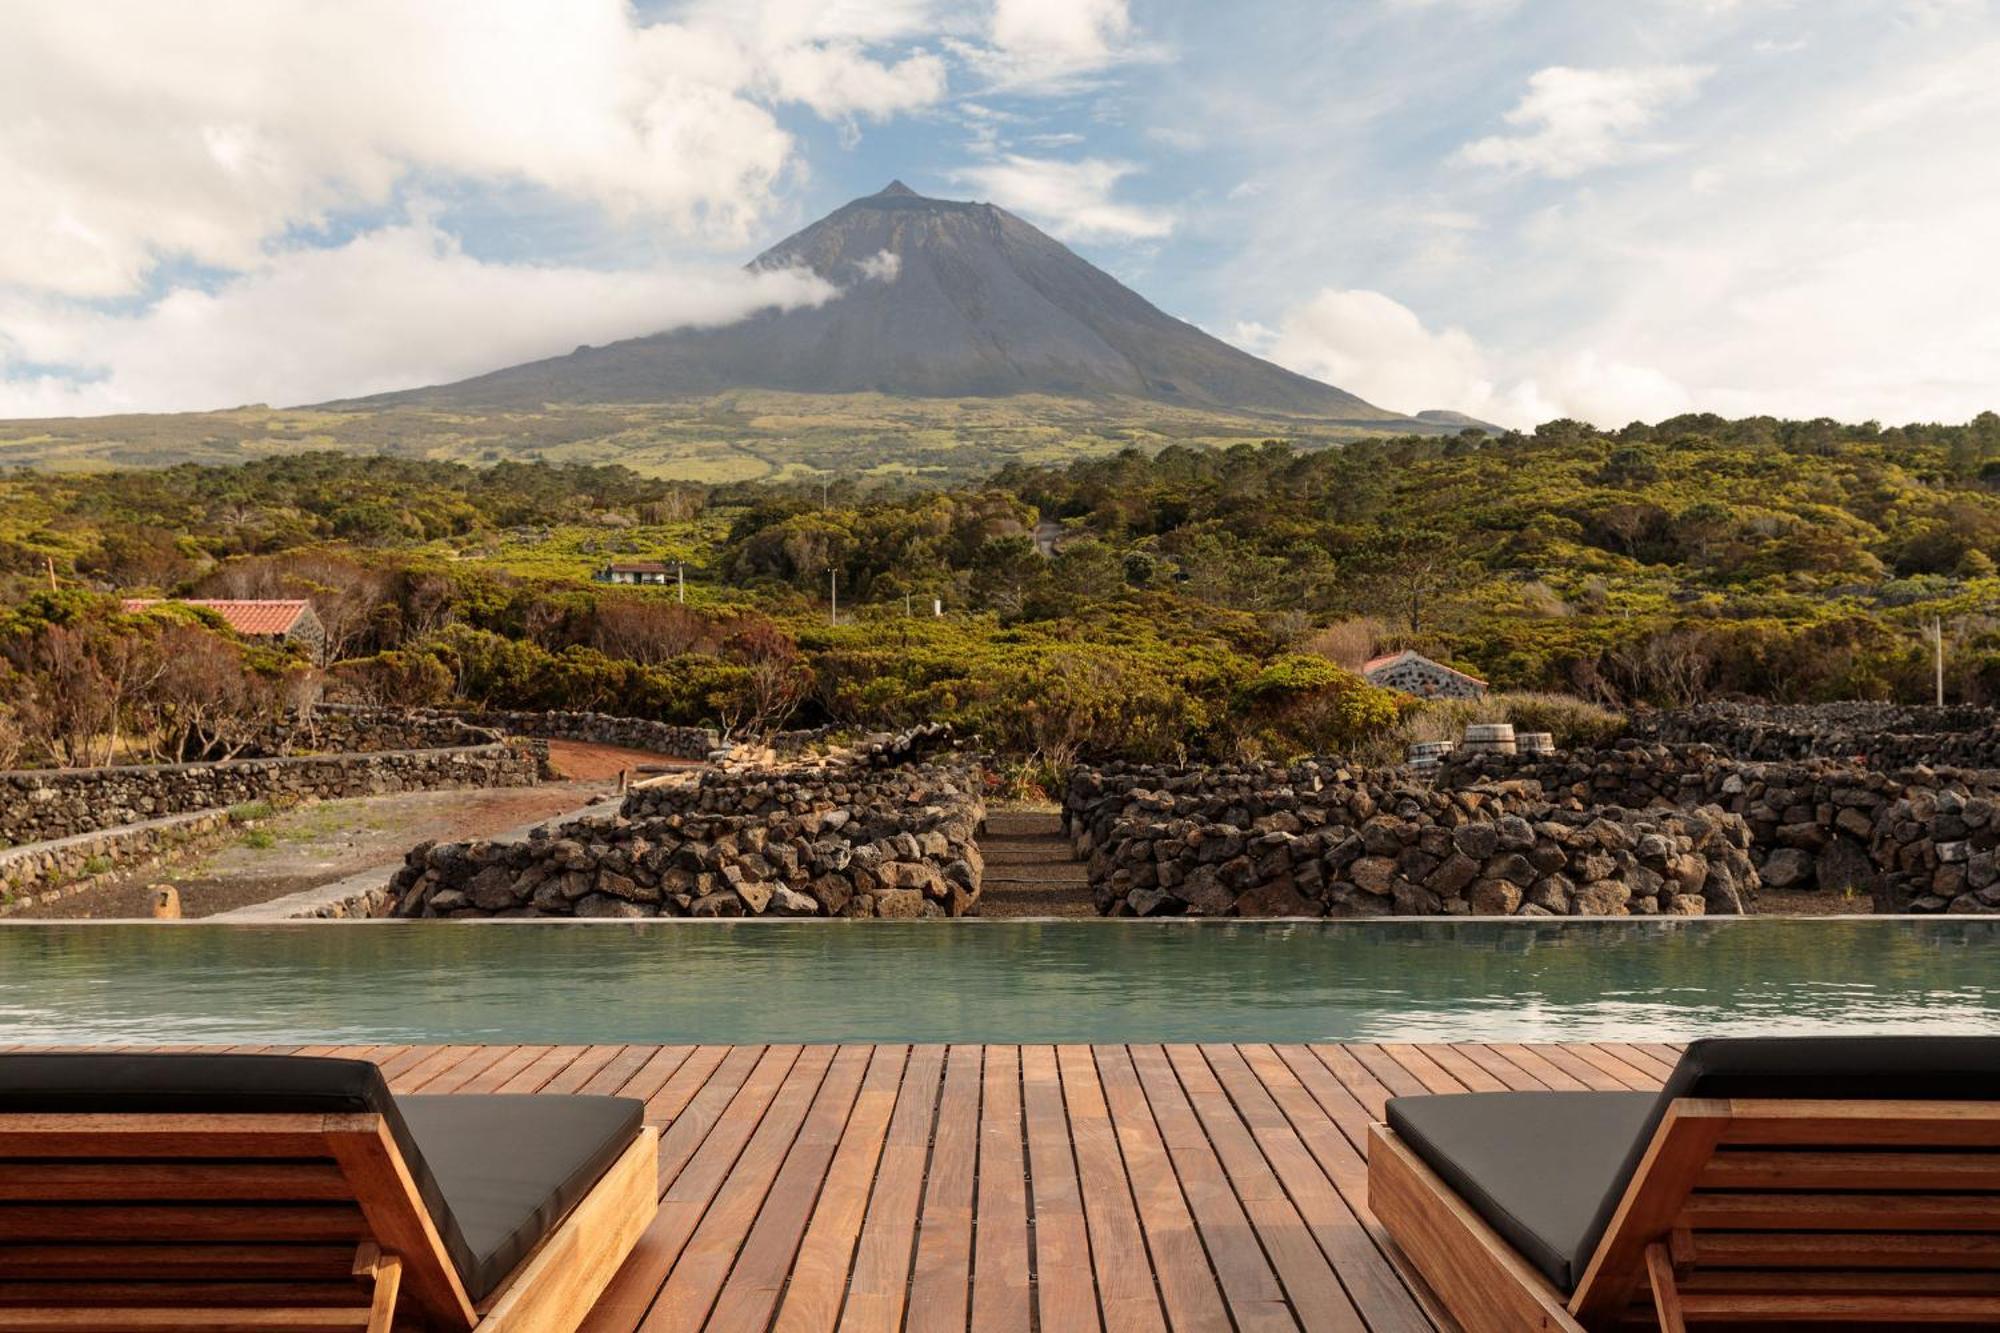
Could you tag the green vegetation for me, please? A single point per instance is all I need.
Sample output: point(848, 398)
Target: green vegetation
point(1198, 601)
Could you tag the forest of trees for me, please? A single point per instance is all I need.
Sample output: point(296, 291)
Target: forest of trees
point(1196, 601)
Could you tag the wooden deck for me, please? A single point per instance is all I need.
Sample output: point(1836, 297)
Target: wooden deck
point(1064, 1188)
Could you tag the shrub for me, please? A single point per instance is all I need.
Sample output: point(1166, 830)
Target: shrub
point(1301, 703)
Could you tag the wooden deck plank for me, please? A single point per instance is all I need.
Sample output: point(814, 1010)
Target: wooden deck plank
point(1065, 1292)
point(1624, 1074)
point(1125, 1290)
point(750, 1295)
point(631, 1292)
point(1512, 1076)
point(1455, 1062)
point(1358, 1264)
point(1586, 1075)
point(615, 1072)
point(1003, 1290)
point(1357, 1078)
point(717, 1206)
point(818, 1282)
point(941, 1281)
point(1187, 1282)
point(495, 1075)
point(1640, 1059)
point(1255, 1299)
point(1317, 1298)
point(440, 1062)
point(1334, 1097)
point(879, 1283)
point(1434, 1077)
point(546, 1066)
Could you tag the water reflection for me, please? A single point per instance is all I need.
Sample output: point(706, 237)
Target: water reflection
point(1020, 982)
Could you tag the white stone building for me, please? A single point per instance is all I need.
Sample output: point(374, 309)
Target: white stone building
point(1413, 673)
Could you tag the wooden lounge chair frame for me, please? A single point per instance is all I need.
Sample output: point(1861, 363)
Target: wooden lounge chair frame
point(120, 1223)
point(1746, 1212)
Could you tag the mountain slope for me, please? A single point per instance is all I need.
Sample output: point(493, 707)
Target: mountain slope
point(940, 299)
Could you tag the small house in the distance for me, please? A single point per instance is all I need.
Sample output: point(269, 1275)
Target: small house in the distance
point(1413, 673)
point(277, 621)
point(636, 571)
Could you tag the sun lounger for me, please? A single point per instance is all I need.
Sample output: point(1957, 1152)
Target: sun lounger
point(249, 1191)
point(1813, 1181)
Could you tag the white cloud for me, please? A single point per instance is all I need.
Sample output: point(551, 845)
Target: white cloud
point(132, 132)
point(1374, 346)
point(882, 266)
point(1051, 45)
point(1071, 199)
point(397, 307)
point(1573, 120)
point(1368, 344)
point(1061, 30)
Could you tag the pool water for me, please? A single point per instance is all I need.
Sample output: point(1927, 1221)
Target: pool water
point(573, 982)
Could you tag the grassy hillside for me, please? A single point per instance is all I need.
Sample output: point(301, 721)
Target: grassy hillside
point(740, 436)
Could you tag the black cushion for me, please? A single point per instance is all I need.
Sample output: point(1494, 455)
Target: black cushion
point(1533, 1164)
point(511, 1168)
point(1527, 1161)
point(495, 1173)
point(1875, 1068)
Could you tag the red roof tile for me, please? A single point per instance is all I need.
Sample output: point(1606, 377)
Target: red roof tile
point(252, 619)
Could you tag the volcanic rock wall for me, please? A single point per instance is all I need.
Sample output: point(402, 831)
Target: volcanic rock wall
point(1867, 735)
point(1891, 838)
point(40, 804)
point(892, 843)
point(1319, 839)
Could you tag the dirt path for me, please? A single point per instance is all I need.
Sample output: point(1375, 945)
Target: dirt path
point(329, 840)
point(582, 763)
point(319, 843)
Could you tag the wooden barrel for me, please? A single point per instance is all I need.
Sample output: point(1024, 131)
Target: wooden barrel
point(1535, 742)
point(1427, 754)
point(1489, 738)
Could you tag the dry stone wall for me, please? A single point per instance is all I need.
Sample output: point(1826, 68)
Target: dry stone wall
point(1868, 735)
point(1892, 839)
point(335, 729)
point(37, 805)
point(632, 733)
point(44, 872)
point(1320, 839)
point(895, 843)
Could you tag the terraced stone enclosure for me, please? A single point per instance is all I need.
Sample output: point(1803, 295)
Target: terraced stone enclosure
point(1845, 799)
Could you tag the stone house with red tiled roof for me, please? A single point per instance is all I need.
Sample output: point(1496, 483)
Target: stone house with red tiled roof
point(277, 621)
point(1413, 673)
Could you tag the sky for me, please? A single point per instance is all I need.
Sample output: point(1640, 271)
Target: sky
point(1613, 210)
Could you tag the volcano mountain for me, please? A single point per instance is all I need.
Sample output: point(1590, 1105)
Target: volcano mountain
point(937, 298)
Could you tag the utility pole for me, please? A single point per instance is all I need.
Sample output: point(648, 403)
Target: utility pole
point(52, 573)
point(1937, 637)
point(906, 606)
point(823, 484)
point(833, 596)
point(681, 579)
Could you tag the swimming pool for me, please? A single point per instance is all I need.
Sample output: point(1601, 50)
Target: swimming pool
point(1002, 981)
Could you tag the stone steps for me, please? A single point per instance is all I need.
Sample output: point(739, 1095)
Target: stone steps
point(1030, 868)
